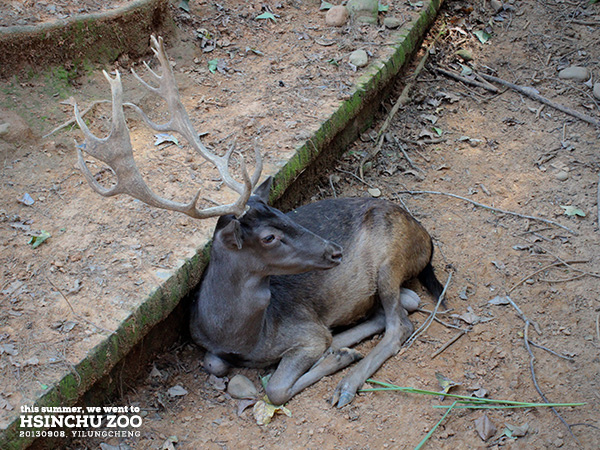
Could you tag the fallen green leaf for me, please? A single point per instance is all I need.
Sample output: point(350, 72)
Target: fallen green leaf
point(184, 4)
point(571, 210)
point(266, 15)
point(465, 70)
point(464, 54)
point(383, 8)
point(438, 131)
point(445, 383)
point(482, 36)
point(36, 241)
point(212, 65)
point(325, 6)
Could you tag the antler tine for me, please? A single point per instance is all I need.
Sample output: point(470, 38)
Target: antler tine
point(180, 122)
point(116, 151)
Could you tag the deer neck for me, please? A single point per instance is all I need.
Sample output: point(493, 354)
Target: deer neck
point(232, 304)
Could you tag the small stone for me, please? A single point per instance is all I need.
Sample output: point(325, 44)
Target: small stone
point(596, 90)
point(375, 192)
point(562, 175)
point(575, 73)
point(337, 16)
point(359, 58)
point(392, 22)
point(364, 11)
point(241, 387)
point(496, 5)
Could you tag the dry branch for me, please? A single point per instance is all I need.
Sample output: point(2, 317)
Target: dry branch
point(449, 343)
point(529, 92)
point(491, 208)
point(465, 80)
point(73, 120)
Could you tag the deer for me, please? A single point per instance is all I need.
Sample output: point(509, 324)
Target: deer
point(294, 291)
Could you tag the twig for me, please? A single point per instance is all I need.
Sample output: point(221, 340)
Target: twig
point(568, 358)
point(410, 341)
point(558, 263)
point(72, 121)
point(410, 161)
point(449, 343)
point(332, 187)
point(563, 280)
point(531, 94)
point(77, 316)
point(355, 176)
point(491, 208)
point(402, 100)
point(598, 327)
point(535, 383)
point(598, 202)
point(458, 77)
point(522, 315)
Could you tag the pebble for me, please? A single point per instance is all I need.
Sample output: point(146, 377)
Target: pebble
point(496, 5)
point(359, 58)
point(596, 90)
point(337, 16)
point(392, 22)
point(562, 175)
point(364, 11)
point(241, 387)
point(575, 73)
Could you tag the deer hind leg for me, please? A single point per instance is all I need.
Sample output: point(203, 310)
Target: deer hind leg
point(397, 329)
point(358, 333)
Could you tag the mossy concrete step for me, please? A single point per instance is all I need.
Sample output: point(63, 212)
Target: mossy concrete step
point(161, 316)
point(96, 38)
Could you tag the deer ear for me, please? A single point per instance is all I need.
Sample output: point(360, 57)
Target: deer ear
point(264, 189)
point(231, 235)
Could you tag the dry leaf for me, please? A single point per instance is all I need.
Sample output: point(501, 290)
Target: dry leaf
point(177, 391)
point(515, 431)
point(264, 412)
point(484, 427)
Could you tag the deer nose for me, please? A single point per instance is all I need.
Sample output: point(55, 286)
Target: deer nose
point(333, 253)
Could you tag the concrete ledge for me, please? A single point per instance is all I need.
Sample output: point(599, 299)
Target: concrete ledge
point(97, 38)
point(144, 330)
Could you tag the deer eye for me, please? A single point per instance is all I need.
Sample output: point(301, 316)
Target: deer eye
point(268, 239)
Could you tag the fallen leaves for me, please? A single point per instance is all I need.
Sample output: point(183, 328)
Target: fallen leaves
point(264, 411)
point(484, 427)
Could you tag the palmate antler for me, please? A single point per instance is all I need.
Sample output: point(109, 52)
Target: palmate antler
point(115, 150)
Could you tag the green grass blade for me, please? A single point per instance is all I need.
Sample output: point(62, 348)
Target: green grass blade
point(422, 443)
point(472, 401)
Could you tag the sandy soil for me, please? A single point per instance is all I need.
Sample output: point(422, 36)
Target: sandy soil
point(504, 150)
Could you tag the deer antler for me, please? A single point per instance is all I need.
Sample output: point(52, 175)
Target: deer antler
point(115, 150)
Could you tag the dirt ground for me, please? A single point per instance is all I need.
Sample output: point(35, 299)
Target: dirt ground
point(504, 150)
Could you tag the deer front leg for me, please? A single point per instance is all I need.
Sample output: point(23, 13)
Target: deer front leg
point(397, 329)
point(306, 361)
point(294, 373)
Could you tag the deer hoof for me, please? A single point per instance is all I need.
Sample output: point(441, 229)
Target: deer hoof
point(342, 397)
